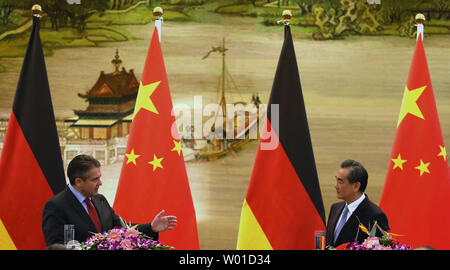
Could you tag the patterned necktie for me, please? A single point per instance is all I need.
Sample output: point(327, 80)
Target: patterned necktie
point(93, 213)
point(341, 223)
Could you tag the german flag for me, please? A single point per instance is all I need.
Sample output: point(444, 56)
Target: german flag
point(283, 207)
point(31, 167)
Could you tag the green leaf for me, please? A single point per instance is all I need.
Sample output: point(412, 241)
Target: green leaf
point(382, 231)
point(374, 229)
point(385, 241)
point(123, 223)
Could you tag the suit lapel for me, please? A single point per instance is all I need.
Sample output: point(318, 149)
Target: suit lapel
point(335, 218)
point(360, 209)
point(80, 210)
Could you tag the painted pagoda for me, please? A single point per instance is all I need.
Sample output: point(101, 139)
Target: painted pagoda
point(101, 129)
point(111, 104)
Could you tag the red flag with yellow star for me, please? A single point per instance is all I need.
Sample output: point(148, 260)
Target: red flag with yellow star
point(417, 185)
point(153, 175)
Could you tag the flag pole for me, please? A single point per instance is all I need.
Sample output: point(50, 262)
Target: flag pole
point(158, 13)
point(420, 19)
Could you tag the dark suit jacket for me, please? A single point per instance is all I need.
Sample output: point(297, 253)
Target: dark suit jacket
point(64, 208)
point(367, 212)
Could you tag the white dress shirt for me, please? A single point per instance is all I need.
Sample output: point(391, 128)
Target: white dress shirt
point(352, 207)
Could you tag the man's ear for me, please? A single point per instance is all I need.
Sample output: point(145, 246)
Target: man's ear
point(356, 186)
point(78, 181)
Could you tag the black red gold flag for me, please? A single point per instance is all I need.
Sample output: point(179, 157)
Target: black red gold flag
point(31, 167)
point(283, 207)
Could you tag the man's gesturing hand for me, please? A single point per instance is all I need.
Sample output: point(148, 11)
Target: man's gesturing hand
point(162, 223)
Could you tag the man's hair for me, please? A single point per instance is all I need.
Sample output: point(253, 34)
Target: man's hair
point(80, 166)
point(357, 173)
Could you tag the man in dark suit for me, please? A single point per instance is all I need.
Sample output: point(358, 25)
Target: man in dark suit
point(80, 204)
point(355, 209)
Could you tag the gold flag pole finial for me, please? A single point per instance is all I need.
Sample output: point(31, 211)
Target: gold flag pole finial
point(158, 13)
point(37, 10)
point(420, 19)
point(286, 17)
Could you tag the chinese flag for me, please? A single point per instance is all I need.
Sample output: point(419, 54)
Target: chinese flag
point(417, 186)
point(153, 174)
point(31, 167)
point(283, 207)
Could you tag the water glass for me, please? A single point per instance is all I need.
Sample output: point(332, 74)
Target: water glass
point(319, 240)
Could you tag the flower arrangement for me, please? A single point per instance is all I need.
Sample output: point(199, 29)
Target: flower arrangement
point(376, 243)
point(122, 238)
point(386, 242)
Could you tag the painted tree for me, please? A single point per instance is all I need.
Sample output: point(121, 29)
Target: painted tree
point(6, 9)
point(443, 8)
point(354, 16)
point(61, 13)
point(78, 14)
point(307, 5)
point(55, 10)
point(396, 11)
point(121, 4)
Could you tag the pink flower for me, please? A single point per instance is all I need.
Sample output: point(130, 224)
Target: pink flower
point(371, 242)
point(114, 236)
point(130, 233)
point(126, 245)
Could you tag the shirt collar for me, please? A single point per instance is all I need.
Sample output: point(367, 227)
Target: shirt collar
point(80, 197)
point(352, 207)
